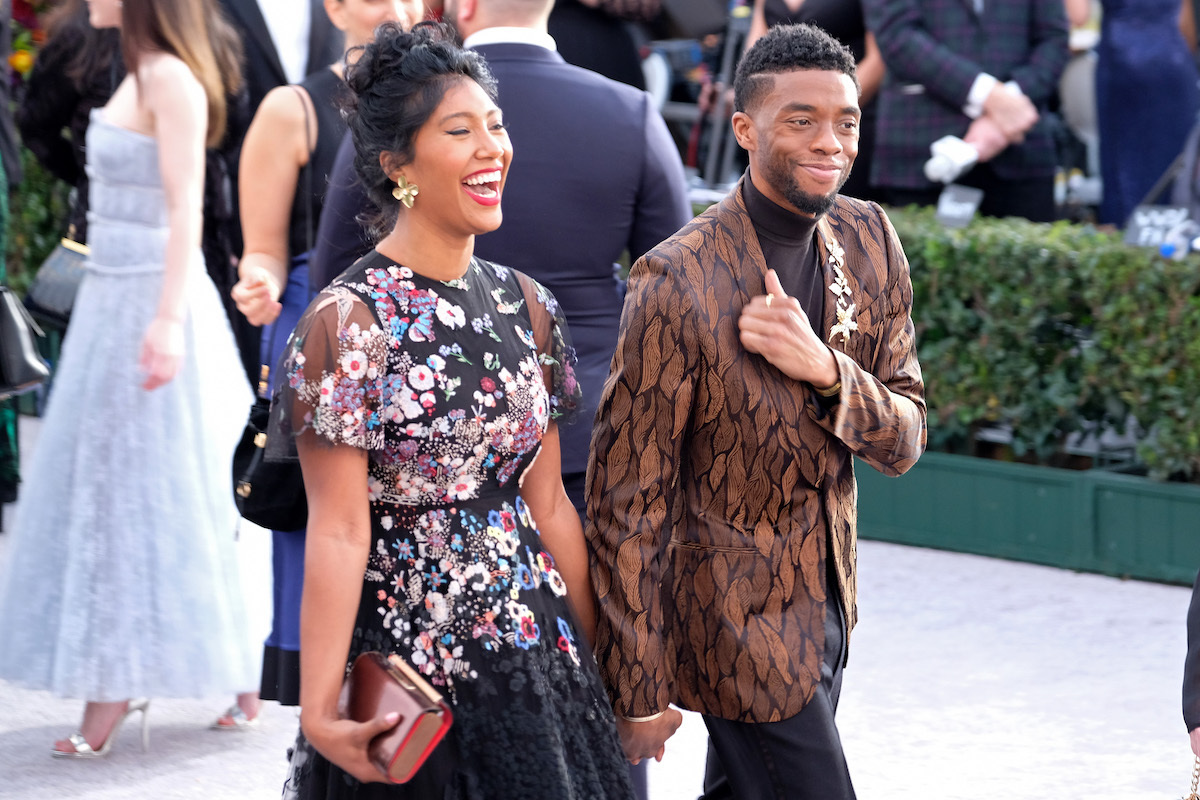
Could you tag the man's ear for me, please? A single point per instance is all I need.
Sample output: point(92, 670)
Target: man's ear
point(466, 10)
point(744, 131)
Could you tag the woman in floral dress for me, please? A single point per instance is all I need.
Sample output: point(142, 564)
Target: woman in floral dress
point(421, 393)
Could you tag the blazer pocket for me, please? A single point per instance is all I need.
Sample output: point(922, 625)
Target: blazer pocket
point(719, 587)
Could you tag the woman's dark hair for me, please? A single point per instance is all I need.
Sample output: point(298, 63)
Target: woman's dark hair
point(95, 49)
point(395, 85)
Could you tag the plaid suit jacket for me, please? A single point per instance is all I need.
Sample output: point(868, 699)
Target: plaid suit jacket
point(934, 49)
point(717, 483)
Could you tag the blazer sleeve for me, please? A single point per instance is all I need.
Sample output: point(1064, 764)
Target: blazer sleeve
point(880, 416)
point(632, 482)
point(1039, 76)
point(1191, 668)
point(662, 202)
point(913, 55)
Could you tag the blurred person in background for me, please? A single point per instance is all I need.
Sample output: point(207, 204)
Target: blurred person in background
point(599, 35)
point(1147, 98)
point(439, 530)
point(288, 152)
point(76, 70)
point(10, 172)
point(843, 20)
point(122, 580)
point(283, 42)
point(980, 70)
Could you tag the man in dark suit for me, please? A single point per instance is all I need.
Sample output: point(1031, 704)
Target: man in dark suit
point(761, 348)
point(308, 42)
point(979, 70)
point(595, 174)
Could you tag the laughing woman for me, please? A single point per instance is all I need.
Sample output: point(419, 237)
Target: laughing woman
point(421, 392)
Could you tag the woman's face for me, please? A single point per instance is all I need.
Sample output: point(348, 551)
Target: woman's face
point(104, 13)
point(460, 161)
point(358, 19)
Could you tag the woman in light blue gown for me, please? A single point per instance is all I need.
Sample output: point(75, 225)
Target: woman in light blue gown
point(122, 580)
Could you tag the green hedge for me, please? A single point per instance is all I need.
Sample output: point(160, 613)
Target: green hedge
point(1054, 329)
point(38, 210)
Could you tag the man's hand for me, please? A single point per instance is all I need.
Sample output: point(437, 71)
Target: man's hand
point(776, 327)
point(1012, 112)
point(986, 137)
point(648, 739)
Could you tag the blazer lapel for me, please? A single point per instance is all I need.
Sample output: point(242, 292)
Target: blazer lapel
point(751, 273)
point(252, 20)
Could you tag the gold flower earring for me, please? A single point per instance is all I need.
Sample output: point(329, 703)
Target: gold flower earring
point(405, 192)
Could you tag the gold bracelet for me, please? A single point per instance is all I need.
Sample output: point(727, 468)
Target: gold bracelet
point(650, 718)
point(832, 391)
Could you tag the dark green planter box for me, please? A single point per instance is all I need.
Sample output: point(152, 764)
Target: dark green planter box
point(1093, 520)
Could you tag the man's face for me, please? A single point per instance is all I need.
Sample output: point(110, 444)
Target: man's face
point(802, 137)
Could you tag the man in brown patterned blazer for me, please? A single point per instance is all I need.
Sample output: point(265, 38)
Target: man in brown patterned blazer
point(761, 347)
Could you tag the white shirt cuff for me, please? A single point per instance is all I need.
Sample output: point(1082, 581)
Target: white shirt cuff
point(978, 95)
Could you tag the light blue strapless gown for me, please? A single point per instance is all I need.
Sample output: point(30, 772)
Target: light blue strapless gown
point(122, 578)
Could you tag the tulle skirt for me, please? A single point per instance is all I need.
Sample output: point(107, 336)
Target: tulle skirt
point(122, 579)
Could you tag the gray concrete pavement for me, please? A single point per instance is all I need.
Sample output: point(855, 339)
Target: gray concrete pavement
point(968, 678)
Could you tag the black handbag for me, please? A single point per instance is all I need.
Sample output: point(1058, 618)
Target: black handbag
point(51, 296)
point(268, 493)
point(271, 493)
point(21, 364)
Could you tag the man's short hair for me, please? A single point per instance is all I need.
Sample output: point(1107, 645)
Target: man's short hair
point(786, 48)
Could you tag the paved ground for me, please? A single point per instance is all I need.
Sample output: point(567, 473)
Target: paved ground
point(969, 678)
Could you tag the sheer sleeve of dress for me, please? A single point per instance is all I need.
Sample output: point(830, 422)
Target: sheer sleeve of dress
point(555, 352)
point(332, 378)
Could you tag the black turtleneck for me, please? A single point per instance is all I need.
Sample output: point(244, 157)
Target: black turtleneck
point(788, 244)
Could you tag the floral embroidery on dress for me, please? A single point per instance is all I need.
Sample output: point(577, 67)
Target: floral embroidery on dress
point(450, 424)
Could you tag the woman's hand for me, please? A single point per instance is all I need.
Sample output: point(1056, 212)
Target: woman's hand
point(345, 742)
point(257, 295)
point(162, 352)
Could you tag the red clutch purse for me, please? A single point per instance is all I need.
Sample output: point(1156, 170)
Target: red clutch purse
point(378, 685)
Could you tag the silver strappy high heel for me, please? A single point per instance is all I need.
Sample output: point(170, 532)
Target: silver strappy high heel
point(84, 750)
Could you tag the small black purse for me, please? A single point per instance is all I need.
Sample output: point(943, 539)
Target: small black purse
point(51, 296)
point(21, 364)
point(268, 493)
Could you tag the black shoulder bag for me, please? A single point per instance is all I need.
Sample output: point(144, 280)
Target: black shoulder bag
point(271, 493)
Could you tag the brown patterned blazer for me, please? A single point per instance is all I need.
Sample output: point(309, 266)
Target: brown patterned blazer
point(717, 484)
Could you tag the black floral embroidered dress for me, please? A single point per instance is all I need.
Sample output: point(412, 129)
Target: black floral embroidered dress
point(449, 386)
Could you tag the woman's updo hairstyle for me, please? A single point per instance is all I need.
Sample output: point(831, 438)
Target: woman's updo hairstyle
point(395, 85)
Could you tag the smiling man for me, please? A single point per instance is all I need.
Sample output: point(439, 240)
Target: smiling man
point(761, 347)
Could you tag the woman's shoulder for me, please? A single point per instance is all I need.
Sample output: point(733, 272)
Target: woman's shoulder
point(166, 76)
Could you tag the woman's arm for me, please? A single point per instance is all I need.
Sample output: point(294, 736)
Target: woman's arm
point(335, 557)
point(176, 102)
point(273, 153)
point(758, 26)
point(558, 524)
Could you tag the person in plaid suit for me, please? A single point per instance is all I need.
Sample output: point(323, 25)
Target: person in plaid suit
point(982, 70)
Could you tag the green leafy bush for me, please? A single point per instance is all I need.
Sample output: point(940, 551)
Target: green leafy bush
point(1051, 330)
point(38, 211)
